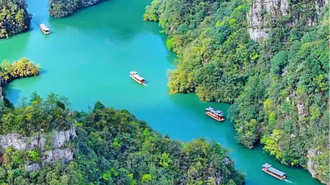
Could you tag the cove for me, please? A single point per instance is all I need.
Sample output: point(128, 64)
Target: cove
point(88, 57)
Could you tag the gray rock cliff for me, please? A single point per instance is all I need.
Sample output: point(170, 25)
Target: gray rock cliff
point(50, 153)
point(262, 11)
point(313, 164)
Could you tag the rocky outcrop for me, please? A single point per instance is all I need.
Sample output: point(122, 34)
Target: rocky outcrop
point(53, 155)
point(313, 164)
point(310, 165)
point(34, 166)
point(14, 17)
point(262, 11)
point(50, 144)
point(256, 17)
point(39, 141)
point(64, 8)
point(2, 82)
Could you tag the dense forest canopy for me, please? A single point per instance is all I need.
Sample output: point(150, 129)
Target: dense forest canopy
point(14, 17)
point(279, 86)
point(111, 147)
point(64, 8)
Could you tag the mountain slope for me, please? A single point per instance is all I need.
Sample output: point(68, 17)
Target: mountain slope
point(269, 58)
point(105, 146)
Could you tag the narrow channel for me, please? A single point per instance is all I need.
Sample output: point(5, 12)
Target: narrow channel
point(88, 57)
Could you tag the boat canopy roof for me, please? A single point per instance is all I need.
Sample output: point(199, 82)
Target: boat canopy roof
point(276, 171)
point(138, 77)
point(216, 112)
point(266, 165)
point(44, 27)
point(135, 75)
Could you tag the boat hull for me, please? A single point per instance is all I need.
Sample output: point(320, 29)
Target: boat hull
point(137, 80)
point(214, 117)
point(46, 33)
point(279, 178)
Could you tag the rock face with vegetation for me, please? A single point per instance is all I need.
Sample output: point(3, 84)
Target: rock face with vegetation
point(14, 17)
point(269, 58)
point(262, 14)
point(50, 145)
point(108, 146)
point(64, 8)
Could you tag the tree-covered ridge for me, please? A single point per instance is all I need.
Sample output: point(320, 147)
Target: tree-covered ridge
point(36, 116)
point(18, 69)
point(279, 87)
point(64, 8)
point(14, 17)
point(210, 38)
point(112, 147)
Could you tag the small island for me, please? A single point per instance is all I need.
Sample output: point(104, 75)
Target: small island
point(18, 69)
point(14, 17)
point(65, 8)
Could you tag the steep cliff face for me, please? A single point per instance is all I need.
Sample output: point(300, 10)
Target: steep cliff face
point(314, 164)
point(263, 11)
point(49, 144)
point(310, 165)
point(36, 142)
point(258, 14)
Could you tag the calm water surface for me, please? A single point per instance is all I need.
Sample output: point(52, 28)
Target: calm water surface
point(88, 57)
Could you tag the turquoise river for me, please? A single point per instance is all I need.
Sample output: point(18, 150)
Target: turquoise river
point(88, 57)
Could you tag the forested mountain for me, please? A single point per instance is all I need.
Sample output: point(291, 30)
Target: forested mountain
point(269, 58)
point(64, 8)
point(14, 17)
point(105, 146)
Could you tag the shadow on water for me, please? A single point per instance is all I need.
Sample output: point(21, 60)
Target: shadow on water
point(12, 94)
point(42, 72)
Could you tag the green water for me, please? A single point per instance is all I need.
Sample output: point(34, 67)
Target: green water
point(88, 57)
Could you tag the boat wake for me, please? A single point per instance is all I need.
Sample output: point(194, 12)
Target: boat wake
point(145, 85)
point(288, 181)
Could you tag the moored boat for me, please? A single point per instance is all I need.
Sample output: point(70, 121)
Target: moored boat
point(215, 114)
point(135, 76)
point(44, 29)
point(267, 168)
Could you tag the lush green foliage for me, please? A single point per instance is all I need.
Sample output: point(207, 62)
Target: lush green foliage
point(64, 8)
point(14, 17)
point(279, 87)
point(127, 151)
point(35, 116)
point(211, 40)
point(288, 96)
point(113, 147)
point(18, 69)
